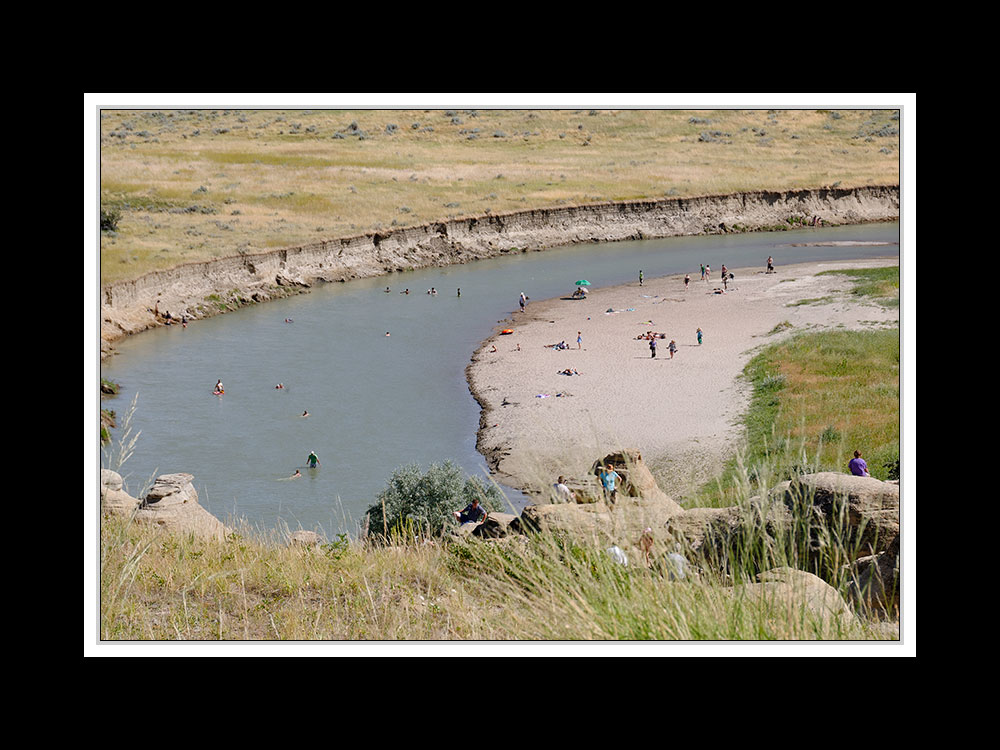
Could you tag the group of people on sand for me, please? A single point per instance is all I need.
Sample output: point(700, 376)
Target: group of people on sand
point(671, 347)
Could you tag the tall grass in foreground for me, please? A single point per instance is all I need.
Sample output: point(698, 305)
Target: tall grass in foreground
point(158, 586)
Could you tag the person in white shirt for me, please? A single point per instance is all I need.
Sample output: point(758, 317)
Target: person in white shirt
point(563, 493)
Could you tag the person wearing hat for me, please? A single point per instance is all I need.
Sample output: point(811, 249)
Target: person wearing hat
point(312, 460)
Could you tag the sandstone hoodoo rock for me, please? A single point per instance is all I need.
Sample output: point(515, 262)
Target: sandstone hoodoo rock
point(788, 591)
point(865, 508)
point(496, 526)
point(114, 499)
point(171, 504)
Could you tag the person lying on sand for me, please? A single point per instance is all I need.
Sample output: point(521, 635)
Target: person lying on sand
point(568, 371)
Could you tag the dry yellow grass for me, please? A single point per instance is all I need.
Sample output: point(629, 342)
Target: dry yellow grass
point(197, 184)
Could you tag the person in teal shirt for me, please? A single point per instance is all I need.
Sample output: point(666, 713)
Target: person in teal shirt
point(608, 478)
point(312, 460)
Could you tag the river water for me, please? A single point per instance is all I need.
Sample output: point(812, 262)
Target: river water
point(375, 402)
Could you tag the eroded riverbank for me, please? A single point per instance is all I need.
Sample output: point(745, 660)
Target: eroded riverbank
point(200, 290)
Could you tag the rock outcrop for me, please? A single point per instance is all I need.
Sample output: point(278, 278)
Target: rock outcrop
point(171, 505)
point(863, 511)
point(856, 513)
point(787, 592)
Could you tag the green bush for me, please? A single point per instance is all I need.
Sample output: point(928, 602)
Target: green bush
point(109, 219)
point(419, 503)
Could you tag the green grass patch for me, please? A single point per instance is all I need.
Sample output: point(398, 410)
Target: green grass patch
point(817, 397)
point(881, 284)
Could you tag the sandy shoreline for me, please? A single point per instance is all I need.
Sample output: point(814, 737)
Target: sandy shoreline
point(681, 413)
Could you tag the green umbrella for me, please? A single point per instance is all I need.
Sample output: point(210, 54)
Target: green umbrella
point(583, 282)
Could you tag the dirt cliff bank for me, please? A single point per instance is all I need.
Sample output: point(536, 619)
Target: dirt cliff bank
point(202, 289)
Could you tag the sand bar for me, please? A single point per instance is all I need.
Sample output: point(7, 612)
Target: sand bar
point(682, 413)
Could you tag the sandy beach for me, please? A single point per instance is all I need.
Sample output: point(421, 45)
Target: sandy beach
point(682, 412)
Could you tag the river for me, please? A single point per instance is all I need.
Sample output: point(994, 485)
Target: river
point(375, 402)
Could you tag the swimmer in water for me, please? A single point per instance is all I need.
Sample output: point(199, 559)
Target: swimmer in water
point(279, 386)
point(305, 414)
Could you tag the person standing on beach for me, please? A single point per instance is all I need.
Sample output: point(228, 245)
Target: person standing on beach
point(652, 347)
point(708, 272)
point(724, 271)
point(687, 280)
point(858, 466)
point(770, 264)
point(579, 339)
point(672, 347)
point(522, 300)
point(640, 277)
point(608, 478)
point(699, 337)
point(702, 271)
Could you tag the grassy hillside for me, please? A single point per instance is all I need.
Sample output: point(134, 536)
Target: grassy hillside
point(191, 185)
point(818, 397)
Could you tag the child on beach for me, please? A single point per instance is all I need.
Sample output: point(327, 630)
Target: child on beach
point(652, 347)
point(672, 347)
point(699, 337)
point(579, 339)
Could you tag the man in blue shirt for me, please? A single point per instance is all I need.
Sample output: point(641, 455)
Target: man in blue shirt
point(473, 513)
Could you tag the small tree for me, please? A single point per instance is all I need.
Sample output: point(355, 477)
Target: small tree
point(424, 502)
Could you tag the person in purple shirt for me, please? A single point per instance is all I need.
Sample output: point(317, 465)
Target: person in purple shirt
point(858, 466)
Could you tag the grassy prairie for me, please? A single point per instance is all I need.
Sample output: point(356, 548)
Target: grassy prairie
point(192, 185)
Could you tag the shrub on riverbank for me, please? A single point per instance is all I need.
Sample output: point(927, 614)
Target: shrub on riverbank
point(423, 502)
